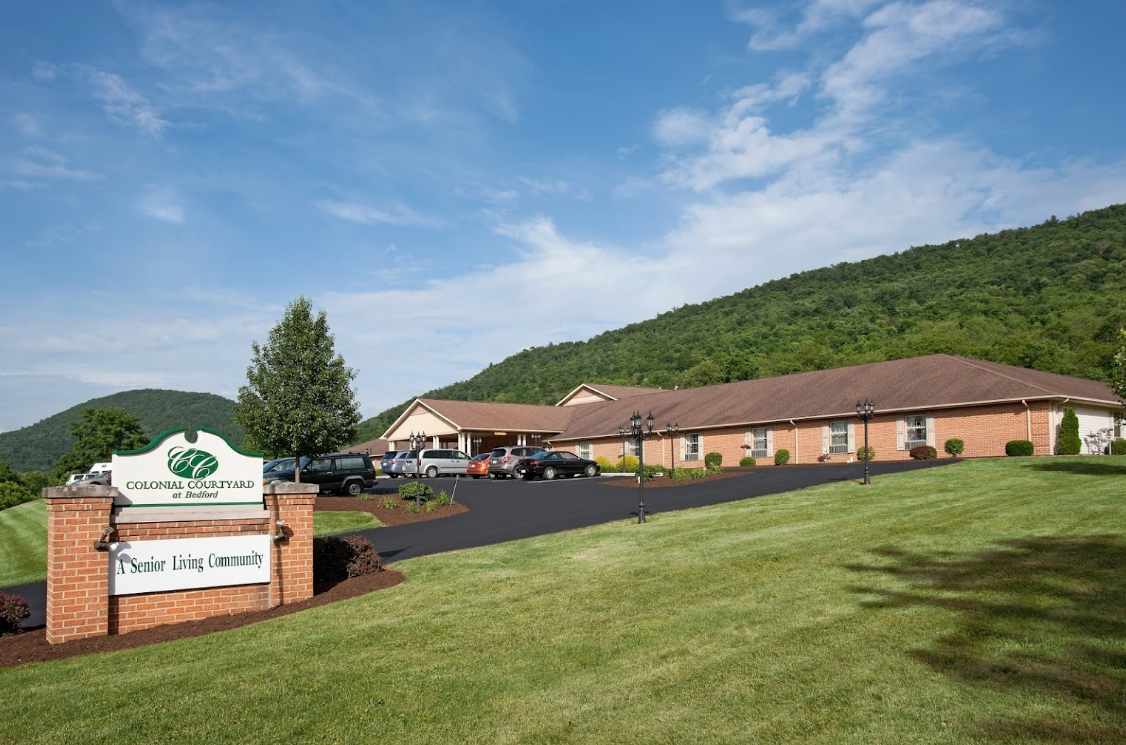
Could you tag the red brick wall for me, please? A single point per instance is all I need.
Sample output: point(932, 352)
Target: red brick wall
point(985, 430)
point(78, 600)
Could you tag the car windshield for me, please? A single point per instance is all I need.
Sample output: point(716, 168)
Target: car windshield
point(482, 456)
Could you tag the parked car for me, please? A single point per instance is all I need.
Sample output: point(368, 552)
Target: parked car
point(386, 461)
point(434, 462)
point(553, 463)
point(349, 473)
point(282, 466)
point(503, 460)
point(95, 478)
point(478, 465)
point(403, 464)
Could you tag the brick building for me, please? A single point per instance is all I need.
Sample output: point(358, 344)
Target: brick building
point(919, 401)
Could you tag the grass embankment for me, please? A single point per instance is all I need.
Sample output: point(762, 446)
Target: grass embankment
point(980, 602)
point(334, 523)
point(23, 543)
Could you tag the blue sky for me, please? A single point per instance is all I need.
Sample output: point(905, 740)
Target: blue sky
point(443, 177)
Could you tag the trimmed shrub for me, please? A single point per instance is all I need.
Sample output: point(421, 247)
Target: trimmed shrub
point(954, 447)
point(13, 609)
point(1118, 447)
point(413, 489)
point(336, 558)
point(13, 493)
point(605, 464)
point(1019, 447)
point(781, 457)
point(746, 462)
point(690, 474)
point(924, 452)
point(389, 503)
point(866, 453)
point(713, 460)
point(629, 466)
point(1069, 442)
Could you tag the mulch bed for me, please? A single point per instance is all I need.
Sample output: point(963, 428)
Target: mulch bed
point(32, 646)
point(397, 516)
point(666, 483)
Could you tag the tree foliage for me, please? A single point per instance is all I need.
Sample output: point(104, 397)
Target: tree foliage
point(98, 433)
point(298, 399)
point(1050, 297)
point(1117, 374)
point(40, 445)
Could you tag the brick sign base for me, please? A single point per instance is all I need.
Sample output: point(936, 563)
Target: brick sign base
point(78, 601)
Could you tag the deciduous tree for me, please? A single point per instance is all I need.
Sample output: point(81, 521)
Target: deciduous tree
point(97, 435)
point(298, 399)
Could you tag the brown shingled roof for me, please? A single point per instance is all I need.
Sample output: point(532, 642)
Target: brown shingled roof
point(935, 381)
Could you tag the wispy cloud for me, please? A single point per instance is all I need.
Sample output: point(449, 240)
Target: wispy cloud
point(40, 162)
point(124, 105)
point(27, 125)
point(395, 213)
point(162, 203)
point(43, 72)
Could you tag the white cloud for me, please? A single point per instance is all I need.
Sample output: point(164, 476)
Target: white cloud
point(395, 213)
point(679, 126)
point(27, 125)
point(43, 72)
point(124, 105)
point(43, 163)
point(162, 203)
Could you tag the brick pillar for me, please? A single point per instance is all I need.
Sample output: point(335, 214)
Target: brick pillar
point(77, 573)
point(292, 573)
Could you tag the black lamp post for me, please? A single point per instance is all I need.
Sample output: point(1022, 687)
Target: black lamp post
point(865, 411)
point(476, 445)
point(417, 441)
point(671, 430)
point(625, 435)
point(640, 431)
point(535, 438)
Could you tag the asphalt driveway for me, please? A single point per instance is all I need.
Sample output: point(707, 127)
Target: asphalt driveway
point(510, 509)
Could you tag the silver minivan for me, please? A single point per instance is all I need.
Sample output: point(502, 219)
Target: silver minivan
point(443, 463)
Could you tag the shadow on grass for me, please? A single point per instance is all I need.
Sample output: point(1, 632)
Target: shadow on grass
point(1043, 616)
point(1086, 466)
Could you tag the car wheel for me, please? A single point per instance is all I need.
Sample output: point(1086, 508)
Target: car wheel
point(432, 472)
point(528, 475)
point(591, 471)
point(354, 488)
point(548, 473)
point(393, 475)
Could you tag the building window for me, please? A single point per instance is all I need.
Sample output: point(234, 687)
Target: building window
point(692, 446)
point(838, 437)
point(759, 445)
point(586, 450)
point(916, 426)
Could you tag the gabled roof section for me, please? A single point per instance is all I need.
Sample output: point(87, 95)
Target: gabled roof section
point(476, 415)
point(602, 392)
point(916, 384)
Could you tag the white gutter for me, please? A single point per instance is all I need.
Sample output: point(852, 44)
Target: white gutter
point(1028, 417)
point(795, 440)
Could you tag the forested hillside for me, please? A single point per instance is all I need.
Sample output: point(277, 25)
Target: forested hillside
point(39, 446)
point(1049, 297)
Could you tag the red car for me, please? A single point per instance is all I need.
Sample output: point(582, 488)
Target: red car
point(478, 466)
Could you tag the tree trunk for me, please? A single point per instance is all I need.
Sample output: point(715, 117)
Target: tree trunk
point(297, 469)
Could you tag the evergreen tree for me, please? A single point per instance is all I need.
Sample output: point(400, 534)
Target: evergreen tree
point(298, 399)
point(98, 433)
point(1069, 443)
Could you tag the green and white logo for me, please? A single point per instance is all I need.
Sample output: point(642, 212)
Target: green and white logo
point(191, 463)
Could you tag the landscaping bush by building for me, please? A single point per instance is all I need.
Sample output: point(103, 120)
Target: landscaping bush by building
point(413, 489)
point(627, 464)
point(689, 474)
point(781, 457)
point(1118, 447)
point(13, 609)
point(713, 460)
point(924, 452)
point(1019, 447)
point(605, 464)
point(954, 447)
point(335, 559)
point(746, 462)
point(865, 453)
point(1069, 442)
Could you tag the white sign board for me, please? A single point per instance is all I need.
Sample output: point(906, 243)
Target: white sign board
point(188, 563)
point(172, 471)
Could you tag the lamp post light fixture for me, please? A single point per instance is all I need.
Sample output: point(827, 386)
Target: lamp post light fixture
point(417, 441)
point(640, 431)
point(671, 430)
point(865, 411)
point(625, 435)
point(535, 438)
point(476, 445)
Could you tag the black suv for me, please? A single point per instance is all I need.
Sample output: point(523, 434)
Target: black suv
point(350, 473)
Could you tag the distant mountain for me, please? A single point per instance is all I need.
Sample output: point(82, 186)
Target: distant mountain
point(1049, 297)
point(39, 446)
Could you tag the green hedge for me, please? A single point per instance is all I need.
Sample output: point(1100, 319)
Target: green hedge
point(1019, 447)
point(413, 489)
point(713, 460)
point(865, 453)
point(746, 462)
point(781, 457)
point(923, 452)
point(954, 447)
point(336, 559)
point(1118, 447)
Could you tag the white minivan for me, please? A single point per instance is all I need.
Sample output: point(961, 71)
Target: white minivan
point(443, 463)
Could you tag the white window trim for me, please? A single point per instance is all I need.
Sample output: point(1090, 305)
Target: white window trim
point(684, 448)
point(588, 448)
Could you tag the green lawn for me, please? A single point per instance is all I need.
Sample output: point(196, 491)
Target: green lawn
point(982, 602)
point(333, 523)
point(23, 543)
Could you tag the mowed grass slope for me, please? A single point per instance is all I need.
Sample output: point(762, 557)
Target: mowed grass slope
point(980, 602)
point(23, 543)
